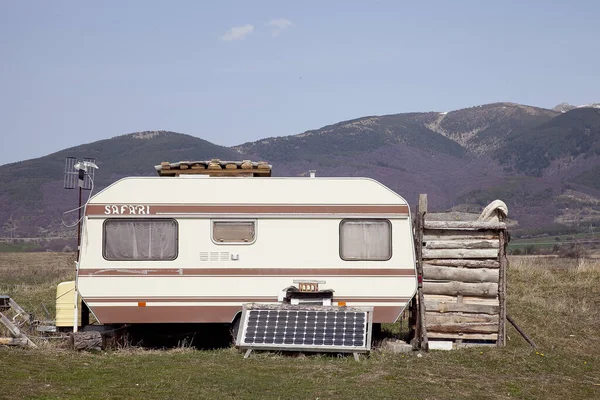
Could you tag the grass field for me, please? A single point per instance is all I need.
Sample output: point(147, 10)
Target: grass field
point(556, 301)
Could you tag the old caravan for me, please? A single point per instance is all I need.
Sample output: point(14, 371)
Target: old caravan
point(193, 249)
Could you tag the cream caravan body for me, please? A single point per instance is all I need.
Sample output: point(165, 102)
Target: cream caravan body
point(194, 249)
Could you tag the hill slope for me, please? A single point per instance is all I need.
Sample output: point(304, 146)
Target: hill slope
point(33, 189)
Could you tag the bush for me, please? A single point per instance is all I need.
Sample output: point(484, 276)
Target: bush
point(575, 250)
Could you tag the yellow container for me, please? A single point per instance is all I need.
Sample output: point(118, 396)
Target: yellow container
point(65, 304)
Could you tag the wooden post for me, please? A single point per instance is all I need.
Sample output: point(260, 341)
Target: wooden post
point(420, 224)
point(502, 289)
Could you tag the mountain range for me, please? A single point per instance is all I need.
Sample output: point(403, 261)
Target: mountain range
point(545, 164)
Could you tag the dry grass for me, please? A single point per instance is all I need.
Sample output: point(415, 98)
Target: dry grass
point(31, 279)
point(551, 299)
point(558, 301)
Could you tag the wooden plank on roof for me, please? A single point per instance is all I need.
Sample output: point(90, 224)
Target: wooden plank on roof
point(246, 164)
point(214, 164)
point(263, 165)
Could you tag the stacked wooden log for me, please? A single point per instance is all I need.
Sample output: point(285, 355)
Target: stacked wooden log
point(214, 167)
point(462, 265)
point(461, 275)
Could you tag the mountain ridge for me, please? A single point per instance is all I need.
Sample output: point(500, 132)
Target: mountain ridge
point(544, 163)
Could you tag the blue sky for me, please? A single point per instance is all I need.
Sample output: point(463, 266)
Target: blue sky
point(73, 72)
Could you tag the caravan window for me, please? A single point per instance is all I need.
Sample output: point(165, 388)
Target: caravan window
point(365, 240)
point(234, 231)
point(140, 239)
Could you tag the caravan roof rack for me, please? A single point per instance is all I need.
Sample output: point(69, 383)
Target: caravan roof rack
point(214, 167)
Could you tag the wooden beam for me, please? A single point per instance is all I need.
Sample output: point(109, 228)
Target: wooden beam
point(20, 341)
point(463, 328)
point(464, 263)
point(465, 336)
point(423, 203)
point(460, 253)
point(451, 234)
point(14, 330)
point(460, 274)
point(462, 244)
point(422, 339)
point(521, 331)
point(475, 225)
point(465, 289)
point(443, 307)
point(502, 289)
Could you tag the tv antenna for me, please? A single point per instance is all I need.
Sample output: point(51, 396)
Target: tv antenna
point(79, 174)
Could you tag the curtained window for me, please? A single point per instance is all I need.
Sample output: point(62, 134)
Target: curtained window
point(365, 240)
point(140, 239)
point(234, 231)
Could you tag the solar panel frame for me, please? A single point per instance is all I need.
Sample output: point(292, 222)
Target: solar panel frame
point(248, 309)
point(70, 178)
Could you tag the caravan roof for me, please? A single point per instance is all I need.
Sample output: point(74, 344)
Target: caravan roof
point(226, 190)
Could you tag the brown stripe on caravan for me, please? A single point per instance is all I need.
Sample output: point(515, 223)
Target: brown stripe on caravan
point(152, 209)
point(248, 272)
point(152, 299)
point(165, 314)
point(245, 299)
point(199, 314)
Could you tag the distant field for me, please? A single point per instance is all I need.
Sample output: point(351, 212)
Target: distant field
point(590, 240)
point(556, 301)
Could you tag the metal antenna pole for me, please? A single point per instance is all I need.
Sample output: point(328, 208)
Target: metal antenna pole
point(79, 173)
point(79, 225)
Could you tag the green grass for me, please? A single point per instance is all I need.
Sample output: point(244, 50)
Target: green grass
point(548, 242)
point(555, 301)
point(16, 247)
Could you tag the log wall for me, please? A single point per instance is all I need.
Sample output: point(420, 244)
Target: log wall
point(462, 268)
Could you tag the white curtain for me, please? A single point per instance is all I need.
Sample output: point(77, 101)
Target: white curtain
point(140, 239)
point(366, 240)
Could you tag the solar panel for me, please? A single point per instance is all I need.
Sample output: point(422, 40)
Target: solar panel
point(287, 327)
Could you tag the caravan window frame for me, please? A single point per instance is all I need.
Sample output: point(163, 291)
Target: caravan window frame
point(176, 223)
point(217, 220)
point(390, 243)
